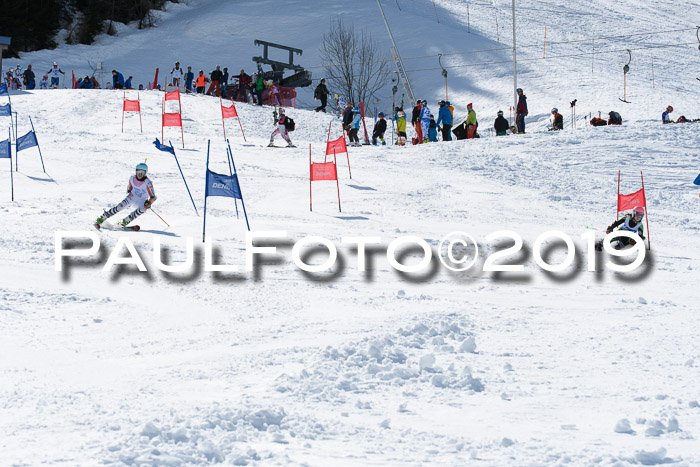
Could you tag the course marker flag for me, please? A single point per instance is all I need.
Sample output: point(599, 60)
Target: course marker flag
point(222, 185)
point(230, 112)
point(131, 106)
point(632, 200)
point(171, 150)
point(6, 152)
point(25, 142)
point(322, 171)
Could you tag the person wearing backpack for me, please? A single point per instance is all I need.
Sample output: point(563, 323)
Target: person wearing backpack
point(283, 124)
point(321, 93)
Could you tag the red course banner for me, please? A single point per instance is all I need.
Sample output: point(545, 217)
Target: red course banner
point(323, 171)
point(131, 106)
point(229, 112)
point(338, 145)
point(172, 119)
point(172, 95)
point(625, 202)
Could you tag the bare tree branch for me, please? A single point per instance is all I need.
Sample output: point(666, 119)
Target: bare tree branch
point(354, 66)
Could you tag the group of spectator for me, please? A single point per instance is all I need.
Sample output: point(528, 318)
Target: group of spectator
point(423, 121)
point(15, 78)
point(241, 87)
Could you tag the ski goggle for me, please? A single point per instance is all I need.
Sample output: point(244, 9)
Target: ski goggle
point(639, 215)
point(140, 173)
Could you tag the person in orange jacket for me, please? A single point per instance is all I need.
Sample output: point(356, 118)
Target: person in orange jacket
point(201, 82)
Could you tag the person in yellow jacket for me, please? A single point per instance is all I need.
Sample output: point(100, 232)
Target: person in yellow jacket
point(471, 122)
point(400, 118)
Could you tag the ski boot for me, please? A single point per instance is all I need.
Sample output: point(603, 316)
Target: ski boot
point(271, 145)
point(291, 145)
point(100, 220)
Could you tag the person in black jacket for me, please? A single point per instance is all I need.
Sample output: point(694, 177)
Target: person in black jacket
point(347, 116)
point(415, 121)
point(501, 125)
point(29, 78)
point(379, 129)
point(215, 85)
point(321, 92)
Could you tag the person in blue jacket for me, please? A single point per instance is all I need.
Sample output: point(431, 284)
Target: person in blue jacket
point(86, 83)
point(445, 117)
point(117, 80)
point(128, 84)
point(432, 130)
point(666, 116)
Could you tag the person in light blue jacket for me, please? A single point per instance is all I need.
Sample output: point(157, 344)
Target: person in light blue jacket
point(425, 120)
point(445, 117)
point(355, 127)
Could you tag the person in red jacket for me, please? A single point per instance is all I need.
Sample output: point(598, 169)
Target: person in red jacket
point(521, 111)
point(558, 123)
point(241, 92)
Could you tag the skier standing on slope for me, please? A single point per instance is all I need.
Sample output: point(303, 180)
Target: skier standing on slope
point(379, 129)
point(415, 121)
point(400, 118)
point(140, 193)
point(177, 74)
point(281, 130)
point(521, 111)
point(425, 120)
point(189, 77)
point(321, 93)
point(631, 222)
point(355, 127)
point(471, 124)
point(445, 117)
point(54, 72)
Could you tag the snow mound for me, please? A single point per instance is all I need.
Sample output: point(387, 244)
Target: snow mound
point(218, 436)
point(425, 353)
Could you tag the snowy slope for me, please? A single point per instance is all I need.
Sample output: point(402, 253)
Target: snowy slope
point(347, 367)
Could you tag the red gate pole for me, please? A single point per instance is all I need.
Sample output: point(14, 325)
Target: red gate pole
point(646, 208)
point(239, 122)
point(311, 205)
point(123, 101)
point(329, 131)
point(138, 97)
point(222, 116)
point(617, 202)
point(337, 183)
